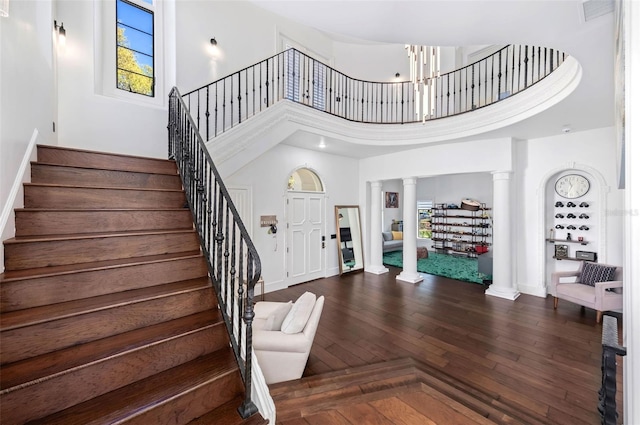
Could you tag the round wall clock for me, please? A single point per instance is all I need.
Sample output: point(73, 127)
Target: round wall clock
point(572, 186)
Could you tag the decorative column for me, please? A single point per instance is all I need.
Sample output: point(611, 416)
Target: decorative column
point(503, 255)
point(375, 231)
point(410, 231)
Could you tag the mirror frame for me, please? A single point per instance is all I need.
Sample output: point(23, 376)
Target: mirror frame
point(358, 251)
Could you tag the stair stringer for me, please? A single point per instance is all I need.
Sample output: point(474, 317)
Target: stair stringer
point(248, 140)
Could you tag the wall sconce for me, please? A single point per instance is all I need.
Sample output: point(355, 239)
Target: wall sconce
point(213, 48)
point(4, 8)
point(62, 34)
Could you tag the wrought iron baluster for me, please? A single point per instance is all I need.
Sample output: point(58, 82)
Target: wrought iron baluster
point(610, 350)
point(273, 87)
point(207, 113)
point(224, 105)
point(231, 96)
point(239, 97)
point(267, 85)
point(198, 110)
point(513, 68)
point(499, 73)
point(215, 112)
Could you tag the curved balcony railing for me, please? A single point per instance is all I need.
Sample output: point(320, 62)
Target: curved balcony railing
point(294, 76)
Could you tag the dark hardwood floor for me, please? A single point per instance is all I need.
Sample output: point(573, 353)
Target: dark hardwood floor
point(543, 360)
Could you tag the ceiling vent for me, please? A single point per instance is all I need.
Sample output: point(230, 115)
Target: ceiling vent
point(592, 9)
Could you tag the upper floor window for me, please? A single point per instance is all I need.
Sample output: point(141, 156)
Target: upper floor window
point(135, 47)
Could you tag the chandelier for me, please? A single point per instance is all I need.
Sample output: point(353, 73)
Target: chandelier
point(424, 67)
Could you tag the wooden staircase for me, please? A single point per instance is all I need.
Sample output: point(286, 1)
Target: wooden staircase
point(399, 391)
point(107, 311)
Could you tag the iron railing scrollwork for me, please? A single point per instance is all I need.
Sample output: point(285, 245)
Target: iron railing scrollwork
point(610, 350)
point(234, 265)
point(292, 75)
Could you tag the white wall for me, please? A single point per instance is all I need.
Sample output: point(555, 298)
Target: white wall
point(450, 188)
point(251, 36)
point(371, 62)
point(390, 214)
point(380, 62)
point(26, 84)
point(537, 163)
point(268, 175)
point(89, 119)
point(442, 159)
point(455, 187)
point(27, 99)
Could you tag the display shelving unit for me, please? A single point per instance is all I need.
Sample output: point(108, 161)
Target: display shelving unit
point(458, 231)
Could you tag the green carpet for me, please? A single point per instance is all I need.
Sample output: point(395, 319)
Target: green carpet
point(454, 267)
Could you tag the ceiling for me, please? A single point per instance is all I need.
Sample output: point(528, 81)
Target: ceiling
point(558, 24)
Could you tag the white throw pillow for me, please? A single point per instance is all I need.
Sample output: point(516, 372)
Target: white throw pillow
point(299, 314)
point(275, 319)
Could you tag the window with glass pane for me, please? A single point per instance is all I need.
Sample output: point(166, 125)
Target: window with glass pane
point(424, 219)
point(134, 45)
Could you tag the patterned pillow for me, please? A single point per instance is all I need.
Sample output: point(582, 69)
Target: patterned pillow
point(592, 273)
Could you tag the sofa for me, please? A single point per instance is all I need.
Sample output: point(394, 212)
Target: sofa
point(391, 241)
point(283, 334)
point(593, 285)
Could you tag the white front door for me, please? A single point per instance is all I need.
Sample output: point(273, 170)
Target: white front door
point(305, 230)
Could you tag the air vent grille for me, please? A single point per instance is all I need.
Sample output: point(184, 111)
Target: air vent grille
point(595, 8)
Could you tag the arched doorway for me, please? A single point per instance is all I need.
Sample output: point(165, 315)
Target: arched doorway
point(305, 214)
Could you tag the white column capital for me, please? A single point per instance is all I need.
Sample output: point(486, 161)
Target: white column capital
point(376, 183)
point(408, 181)
point(501, 175)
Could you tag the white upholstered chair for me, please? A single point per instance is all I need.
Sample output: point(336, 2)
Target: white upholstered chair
point(282, 336)
point(585, 288)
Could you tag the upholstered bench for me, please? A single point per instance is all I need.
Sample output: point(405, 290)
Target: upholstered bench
point(593, 285)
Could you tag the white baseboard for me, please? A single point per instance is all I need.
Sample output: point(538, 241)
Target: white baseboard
point(260, 392)
point(538, 291)
point(274, 286)
point(16, 195)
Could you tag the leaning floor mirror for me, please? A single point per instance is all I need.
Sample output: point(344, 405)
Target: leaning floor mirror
point(349, 236)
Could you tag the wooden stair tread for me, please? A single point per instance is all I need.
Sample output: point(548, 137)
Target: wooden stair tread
point(106, 160)
point(69, 186)
point(13, 275)
point(49, 364)
point(100, 235)
point(99, 168)
point(148, 393)
point(227, 414)
point(108, 312)
point(21, 318)
point(65, 210)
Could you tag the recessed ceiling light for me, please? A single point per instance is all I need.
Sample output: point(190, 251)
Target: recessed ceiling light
point(322, 145)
